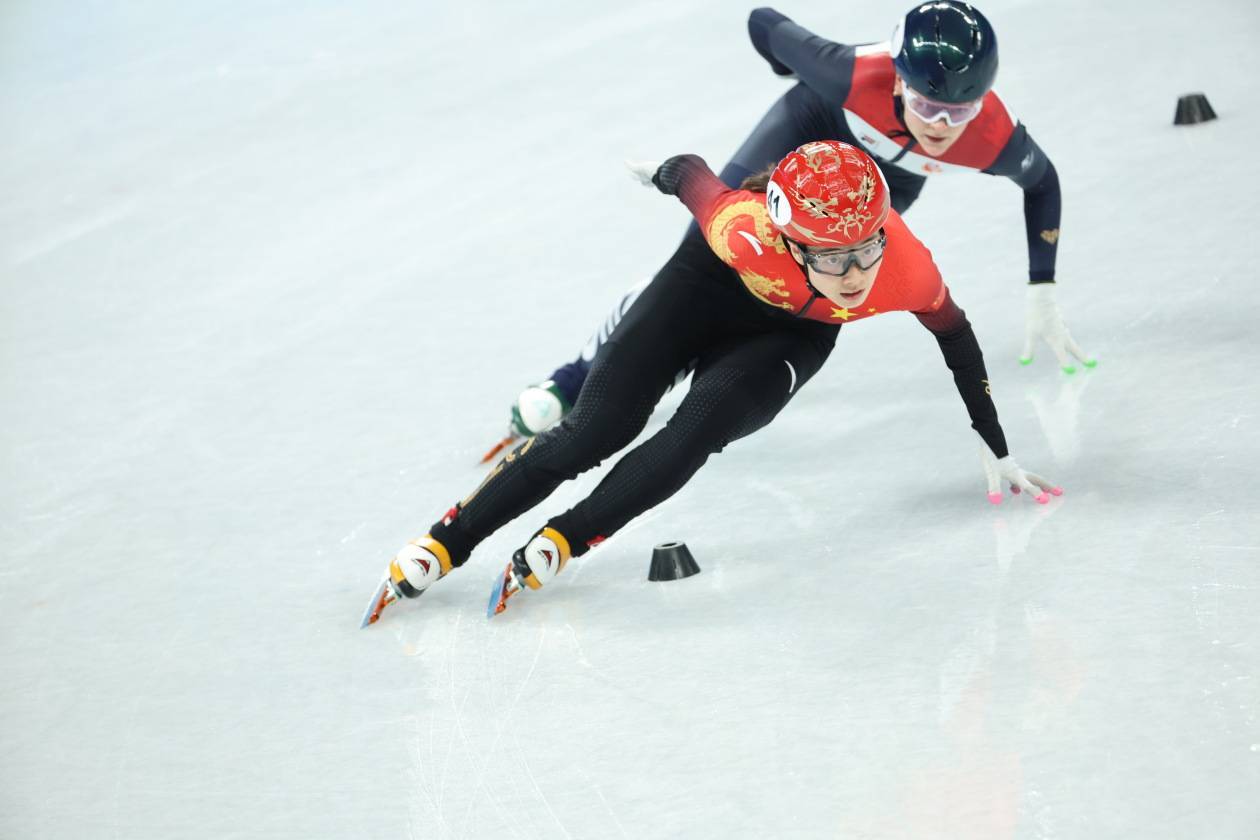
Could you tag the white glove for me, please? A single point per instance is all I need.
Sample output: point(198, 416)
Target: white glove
point(643, 170)
point(997, 470)
point(1044, 321)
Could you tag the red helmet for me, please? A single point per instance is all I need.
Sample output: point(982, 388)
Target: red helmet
point(827, 194)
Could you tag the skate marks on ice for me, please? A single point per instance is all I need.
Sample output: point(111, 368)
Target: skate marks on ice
point(788, 505)
point(73, 231)
point(469, 741)
point(1223, 597)
point(449, 756)
point(522, 709)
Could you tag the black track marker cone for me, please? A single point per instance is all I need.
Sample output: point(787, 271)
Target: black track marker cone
point(1193, 108)
point(671, 561)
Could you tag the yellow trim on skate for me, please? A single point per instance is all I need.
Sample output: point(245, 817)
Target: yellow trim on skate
point(532, 582)
point(561, 543)
point(439, 551)
point(395, 573)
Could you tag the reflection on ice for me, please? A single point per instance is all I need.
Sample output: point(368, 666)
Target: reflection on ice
point(1059, 416)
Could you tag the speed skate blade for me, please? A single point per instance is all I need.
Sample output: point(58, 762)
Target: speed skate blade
point(504, 588)
point(381, 598)
point(499, 447)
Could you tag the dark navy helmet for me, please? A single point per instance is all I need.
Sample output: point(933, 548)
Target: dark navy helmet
point(946, 50)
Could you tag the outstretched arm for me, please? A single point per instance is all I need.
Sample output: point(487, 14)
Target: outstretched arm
point(1023, 161)
point(963, 357)
point(689, 178)
point(792, 50)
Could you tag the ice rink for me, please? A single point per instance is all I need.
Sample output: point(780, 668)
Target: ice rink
point(272, 274)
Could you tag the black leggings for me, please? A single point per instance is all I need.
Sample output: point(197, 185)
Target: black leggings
point(750, 361)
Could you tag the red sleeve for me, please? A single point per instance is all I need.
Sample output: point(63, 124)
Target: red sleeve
point(963, 357)
point(946, 316)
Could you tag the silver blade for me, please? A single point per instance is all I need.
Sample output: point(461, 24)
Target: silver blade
point(381, 598)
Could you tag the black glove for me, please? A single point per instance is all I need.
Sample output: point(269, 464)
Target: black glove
point(669, 174)
point(760, 22)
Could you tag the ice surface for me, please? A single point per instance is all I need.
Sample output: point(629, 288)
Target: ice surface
point(272, 273)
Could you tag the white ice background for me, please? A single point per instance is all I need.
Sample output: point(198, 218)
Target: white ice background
point(272, 273)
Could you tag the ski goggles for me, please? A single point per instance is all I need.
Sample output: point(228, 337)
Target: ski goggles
point(837, 262)
point(929, 110)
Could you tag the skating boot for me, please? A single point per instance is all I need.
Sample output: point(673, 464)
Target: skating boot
point(538, 408)
point(413, 570)
point(532, 567)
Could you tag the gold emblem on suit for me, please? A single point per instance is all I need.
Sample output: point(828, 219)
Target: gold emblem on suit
point(511, 456)
point(763, 287)
point(720, 228)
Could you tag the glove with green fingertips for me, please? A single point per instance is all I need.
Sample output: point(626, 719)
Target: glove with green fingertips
point(1043, 321)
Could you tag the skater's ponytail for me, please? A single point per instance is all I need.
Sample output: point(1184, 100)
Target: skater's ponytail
point(757, 182)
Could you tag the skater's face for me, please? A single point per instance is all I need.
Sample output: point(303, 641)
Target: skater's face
point(934, 137)
point(852, 286)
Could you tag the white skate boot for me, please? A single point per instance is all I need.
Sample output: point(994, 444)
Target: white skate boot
point(532, 567)
point(416, 567)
